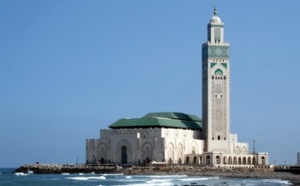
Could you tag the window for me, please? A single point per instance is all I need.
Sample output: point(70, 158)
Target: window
point(219, 137)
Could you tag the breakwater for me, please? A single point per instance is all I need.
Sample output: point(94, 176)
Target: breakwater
point(237, 172)
point(72, 169)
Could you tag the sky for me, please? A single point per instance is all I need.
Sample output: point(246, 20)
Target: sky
point(71, 68)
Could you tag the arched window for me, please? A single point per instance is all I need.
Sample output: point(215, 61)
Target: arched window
point(219, 137)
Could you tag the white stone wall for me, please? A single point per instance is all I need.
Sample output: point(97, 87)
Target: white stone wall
point(158, 144)
point(173, 146)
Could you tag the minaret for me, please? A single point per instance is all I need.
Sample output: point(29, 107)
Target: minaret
point(216, 88)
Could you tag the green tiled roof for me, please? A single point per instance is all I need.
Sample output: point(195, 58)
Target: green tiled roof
point(161, 119)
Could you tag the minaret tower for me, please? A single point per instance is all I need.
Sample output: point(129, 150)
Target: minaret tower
point(216, 88)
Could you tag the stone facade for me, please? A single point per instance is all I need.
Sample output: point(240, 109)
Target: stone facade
point(213, 145)
point(143, 145)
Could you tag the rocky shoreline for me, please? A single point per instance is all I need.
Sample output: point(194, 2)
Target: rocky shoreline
point(259, 173)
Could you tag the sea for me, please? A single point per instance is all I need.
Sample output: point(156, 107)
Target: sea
point(7, 177)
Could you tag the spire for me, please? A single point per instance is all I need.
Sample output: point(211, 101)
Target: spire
point(215, 11)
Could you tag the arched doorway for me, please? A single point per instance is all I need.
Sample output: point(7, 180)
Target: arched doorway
point(170, 160)
point(249, 161)
point(225, 160)
point(147, 160)
point(123, 152)
point(195, 160)
point(244, 160)
point(218, 160)
point(147, 152)
point(179, 161)
point(124, 155)
point(235, 160)
point(102, 153)
point(263, 161)
point(207, 160)
point(230, 160)
point(254, 161)
point(240, 160)
point(187, 160)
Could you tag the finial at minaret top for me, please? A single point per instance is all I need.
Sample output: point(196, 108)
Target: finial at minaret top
point(215, 11)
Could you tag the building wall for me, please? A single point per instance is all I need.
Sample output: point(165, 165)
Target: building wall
point(143, 145)
point(298, 158)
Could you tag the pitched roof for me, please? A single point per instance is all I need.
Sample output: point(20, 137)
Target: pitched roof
point(161, 119)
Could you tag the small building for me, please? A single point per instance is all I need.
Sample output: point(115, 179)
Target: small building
point(298, 158)
point(178, 138)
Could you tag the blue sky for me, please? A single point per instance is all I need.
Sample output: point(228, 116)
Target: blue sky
point(71, 68)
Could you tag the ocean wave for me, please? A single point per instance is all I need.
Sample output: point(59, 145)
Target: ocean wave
point(199, 179)
point(153, 184)
point(158, 181)
point(285, 182)
point(87, 178)
point(121, 174)
point(65, 173)
point(167, 176)
point(20, 174)
point(128, 177)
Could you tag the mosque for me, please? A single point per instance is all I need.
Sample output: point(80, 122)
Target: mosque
point(178, 138)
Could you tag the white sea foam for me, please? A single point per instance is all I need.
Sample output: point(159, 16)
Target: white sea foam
point(65, 173)
point(153, 184)
point(167, 176)
point(20, 174)
point(81, 173)
point(87, 178)
point(155, 181)
point(128, 177)
point(199, 178)
point(277, 181)
point(121, 174)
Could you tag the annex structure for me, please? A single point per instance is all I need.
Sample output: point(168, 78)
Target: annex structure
point(178, 138)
